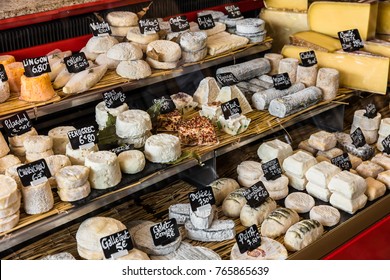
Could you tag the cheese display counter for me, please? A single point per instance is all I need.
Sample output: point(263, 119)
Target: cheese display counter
point(205, 132)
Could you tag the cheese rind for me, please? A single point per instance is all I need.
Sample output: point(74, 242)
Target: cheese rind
point(37, 199)
point(327, 215)
point(300, 202)
point(296, 5)
point(181, 212)
point(328, 80)
point(315, 41)
point(247, 70)
point(317, 191)
point(302, 234)
point(186, 251)
point(233, 203)
point(278, 222)
point(133, 123)
point(131, 162)
point(77, 156)
point(347, 184)
point(222, 187)
point(369, 169)
point(289, 66)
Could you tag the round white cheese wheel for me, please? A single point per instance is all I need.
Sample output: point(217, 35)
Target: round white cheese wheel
point(193, 41)
point(73, 176)
point(17, 141)
point(125, 51)
point(101, 113)
point(131, 162)
point(59, 135)
point(230, 22)
point(142, 46)
point(100, 44)
point(8, 191)
point(56, 162)
point(37, 199)
point(161, 65)
point(133, 123)
point(12, 208)
point(20, 152)
point(134, 69)
point(122, 18)
point(194, 56)
point(102, 59)
point(8, 161)
point(9, 222)
point(73, 194)
point(300, 202)
point(77, 157)
point(135, 35)
point(162, 148)
point(38, 143)
point(167, 51)
point(11, 172)
point(279, 194)
point(325, 214)
point(268, 250)
point(91, 231)
point(4, 148)
point(278, 184)
point(216, 15)
point(250, 25)
point(104, 169)
point(250, 169)
point(30, 157)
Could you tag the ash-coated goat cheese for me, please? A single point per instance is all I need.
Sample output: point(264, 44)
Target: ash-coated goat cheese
point(181, 212)
point(203, 216)
point(247, 70)
point(186, 251)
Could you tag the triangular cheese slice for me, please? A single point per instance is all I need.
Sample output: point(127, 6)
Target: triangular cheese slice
point(237, 93)
point(206, 92)
point(224, 95)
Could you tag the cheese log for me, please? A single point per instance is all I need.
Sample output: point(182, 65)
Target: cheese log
point(250, 25)
point(316, 41)
point(274, 149)
point(233, 203)
point(250, 169)
point(102, 113)
point(328, 82)
point(161, 65)
point(194, 56)
point(281, 24)
point(104, 169)
point(307, 75)
point(134, 70)
point(275, 185)
point(74, 194)
point(37, 199)
point(77, 157)
point(36, 89)
point(56, 67)
point(317, 191)
point(143, 241)
point(300, 202)
point(4, 149)
point(327, 215)
point(203, 216)
point(8, 161)
point(249, 87)
point(206, 92)
point(84, 80)
point(255, 216)
point(162, 148)
point(384, 177)
point(30, 156)
point(220, 230)
point(15, 71)
point(131, 162)
point(62, 78)
point(181, 212)
point(38, 143)
point(89, 55)
point(322, 140)
point(122, 18)
point(222, 187)
point(383, 160)
point(247, 70)
point(321, 173)
point(278, 222)
point(345, 16)
point(302, 234)
point(347, 205)
point(133, 123)
point(298, 163)
point(59, 256)
point(347, 184)
point(72, 176)
point(262, 99)
point(382, 24)
point(289, 66)
point(352, 67)
point(262, 82)
point(100, 44)
point(268, 250)
point(186, 251)
point(110, 63)
point(369, 169)
point(4, 91)
point(9, 222)
point(90, 232)
point(375, 189)
point(59, 136)
point(290, 104)
point(274, 60)
point(193, 41)
point(164, 51)
point(296, 5)
point(135, 35)
point(9, 193)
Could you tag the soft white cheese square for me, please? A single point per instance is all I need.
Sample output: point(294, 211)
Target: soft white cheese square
point(347, 184)
point(321, 173)
point(274, 149)
point(299, 163)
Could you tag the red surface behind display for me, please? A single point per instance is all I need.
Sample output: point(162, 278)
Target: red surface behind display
point(372, 244)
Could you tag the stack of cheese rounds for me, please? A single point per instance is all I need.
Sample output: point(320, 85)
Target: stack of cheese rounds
point(7, 162)
point(55, 163)
point(193, 45)
point(60, 138)
point(16, 143)
point(120, 22)
point(163, 54)
point(38, 147)
point(383, 132)
point(251, 28)
point(369, 126)
point(72, 182)
point(9, 203)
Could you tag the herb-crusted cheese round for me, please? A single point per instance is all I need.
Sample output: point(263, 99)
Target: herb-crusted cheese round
point(162, 148)
point(302, 234)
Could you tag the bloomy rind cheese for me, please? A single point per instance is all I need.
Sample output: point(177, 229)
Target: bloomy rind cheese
point(74, 194)
point(347, 184)
point(268, 250)
point(222, 187)
point(186, 251)
point(162, 148)
point(220, 230)
point(131, 162)
point(4, 148)
point(181, 212)
point(84, 80)
point(348, 205)
point(233, 203)
point(9, 222)
point(255, 216)
point(300, 202)
point(278, 222)
point(327, 215)
point(59, 135)
point(289, 65)
point(38, 143)
point(77, 157)
point(72, 176)
point(323, 140)
point(302, 234)
point(247, 70)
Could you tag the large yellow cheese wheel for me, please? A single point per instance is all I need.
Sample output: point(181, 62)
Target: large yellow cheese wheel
point(14, 71)
point(36, 89)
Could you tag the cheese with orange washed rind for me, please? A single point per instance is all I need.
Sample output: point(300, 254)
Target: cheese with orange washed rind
point(14, 71)
point(6, 59)
point(36, 89)
point(353, 68)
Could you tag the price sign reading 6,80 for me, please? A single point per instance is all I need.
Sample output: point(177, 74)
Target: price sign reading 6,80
point(82, 137)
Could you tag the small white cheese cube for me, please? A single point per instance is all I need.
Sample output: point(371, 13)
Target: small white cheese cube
point(274, 149)
point(299, 163)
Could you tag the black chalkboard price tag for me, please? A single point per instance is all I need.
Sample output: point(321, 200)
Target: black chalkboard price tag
point(76, 62)
point(342, 161)
point(179, 23)
point(3, 74)
point(231, 109)
point(205, 22)
point(281, 81)
point(358, 139)
point(249, 239)
point(165, 232)
point(100, 28)
point(233, 11)
point(116, 245)
point(17, 124)
point(123, 148)
point(167, 104)
point(256, 195)
point(350, 40)
point(226, 79)
point(272, 169)
point(308, 58)
point(33, 67)
point(386, 145)
point(114, 98)
point(33, 173)
point(371, 111)
point(82, 138)
point(201, 198)
point(149, 25)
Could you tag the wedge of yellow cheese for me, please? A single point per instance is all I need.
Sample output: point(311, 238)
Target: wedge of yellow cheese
point(332, 17)
point(281, 24)
point(360, 71)
point(378, 47)
point(315, 41)
point(383, 22)
point(291, 5)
